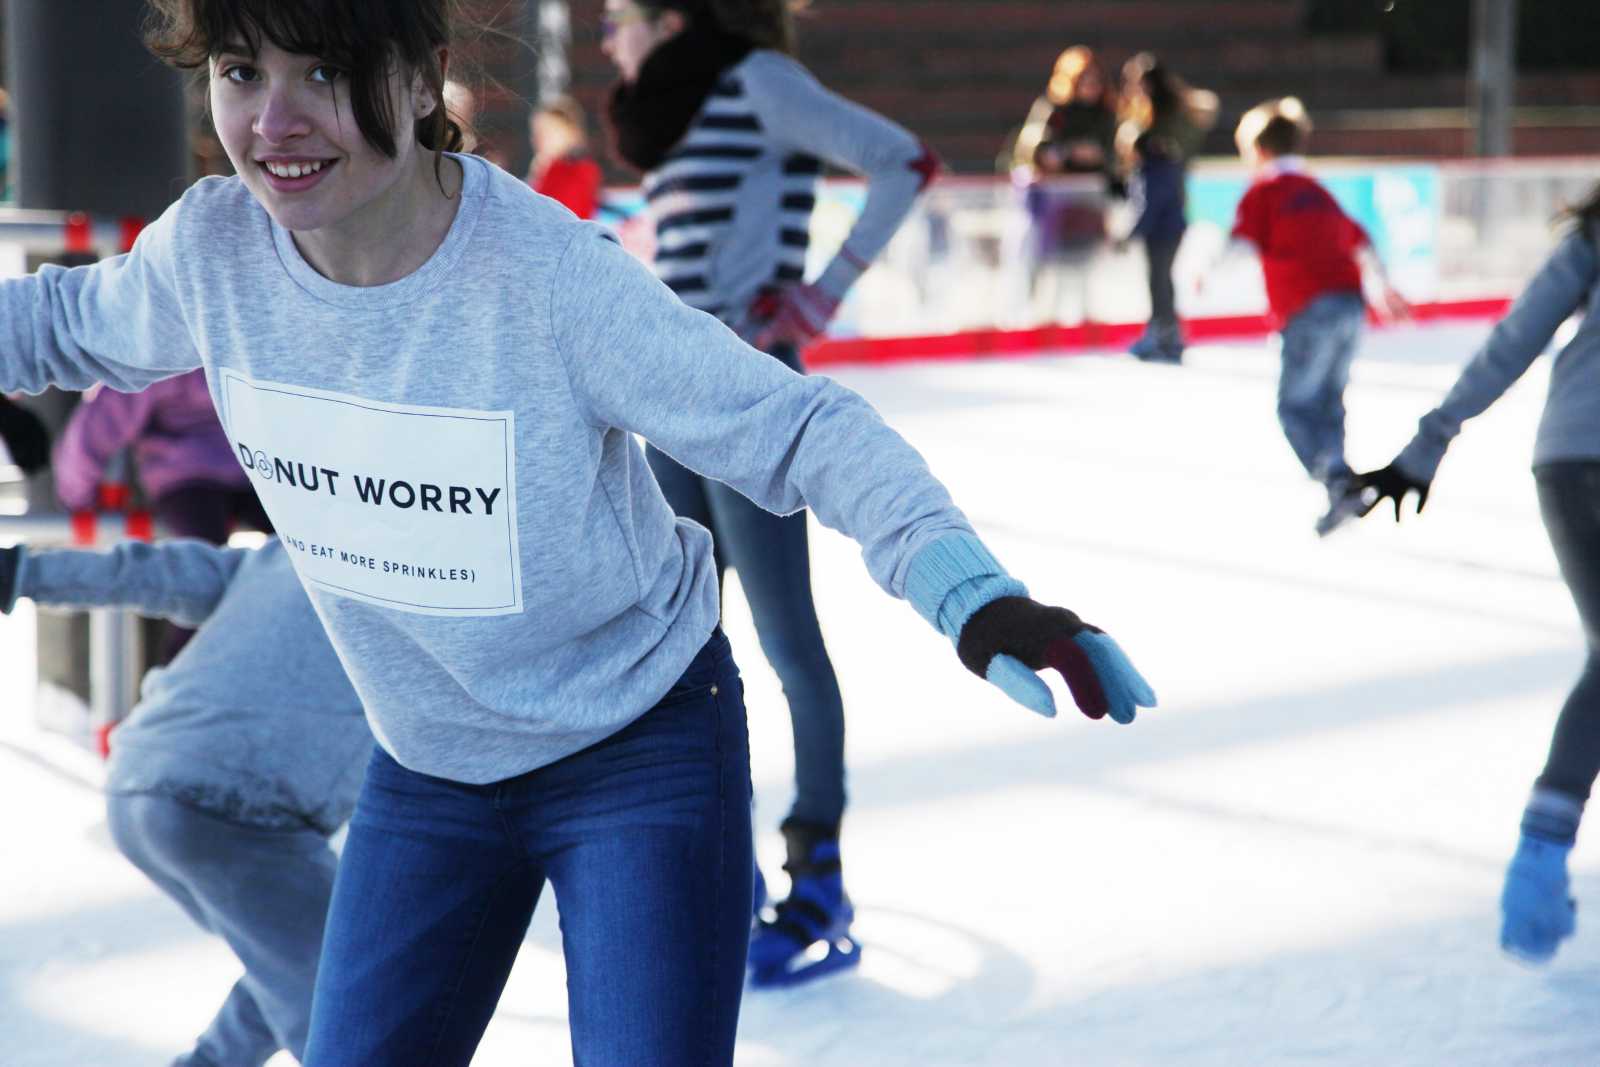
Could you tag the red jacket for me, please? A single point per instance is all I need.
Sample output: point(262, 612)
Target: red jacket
point(573, 181)
point(1307, 243)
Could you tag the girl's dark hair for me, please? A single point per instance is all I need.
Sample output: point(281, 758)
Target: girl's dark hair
point(366, 39)
point(763, 23)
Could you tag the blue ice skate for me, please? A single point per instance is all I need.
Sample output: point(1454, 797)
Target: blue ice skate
point(809, 934)
point(1537, 910)
point(1156, 345)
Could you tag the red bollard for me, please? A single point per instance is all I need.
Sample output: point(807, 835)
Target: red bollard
point(77, 233)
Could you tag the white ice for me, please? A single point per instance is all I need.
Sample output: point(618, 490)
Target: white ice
point(1295, 859)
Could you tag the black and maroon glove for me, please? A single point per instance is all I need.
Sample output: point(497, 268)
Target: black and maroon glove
point(1010, 638)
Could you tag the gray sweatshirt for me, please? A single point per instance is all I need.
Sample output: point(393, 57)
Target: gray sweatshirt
point(1570, 427)
point(451, 463)
point(254, 720)
point(732, 202)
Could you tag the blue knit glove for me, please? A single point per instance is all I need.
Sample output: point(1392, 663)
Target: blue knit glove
point(1008, 639)
point(1536, 907)
point(1004, 637)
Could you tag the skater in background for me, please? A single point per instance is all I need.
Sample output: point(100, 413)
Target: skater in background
point(730, 133)
point(1156, 194)
point(1537, 910)
point(1164, 121)
point(185, 465)
point(237, 765)
point(562, 167)
point(1072, 126)
point(537, 649)
point(1070, 133)
point(1313, 256)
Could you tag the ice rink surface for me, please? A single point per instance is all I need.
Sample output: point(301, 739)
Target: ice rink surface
point(1296, 859)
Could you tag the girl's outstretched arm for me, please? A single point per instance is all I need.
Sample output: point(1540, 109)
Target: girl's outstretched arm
point(118, 321)
point(640, 360)
point(1559, 289)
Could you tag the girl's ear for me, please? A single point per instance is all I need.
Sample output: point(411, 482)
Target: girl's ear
point(424, 100)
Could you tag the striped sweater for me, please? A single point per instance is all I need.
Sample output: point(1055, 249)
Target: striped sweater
point(732, 203)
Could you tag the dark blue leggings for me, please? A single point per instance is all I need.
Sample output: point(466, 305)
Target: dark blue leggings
point(772, 555)
point(1569, 501)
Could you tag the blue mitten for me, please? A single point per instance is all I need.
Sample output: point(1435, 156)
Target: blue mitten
point(1536, 907)
point(1004, 637)
point(1010, 638)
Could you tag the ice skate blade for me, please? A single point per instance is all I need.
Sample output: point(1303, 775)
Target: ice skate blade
point(840, 955)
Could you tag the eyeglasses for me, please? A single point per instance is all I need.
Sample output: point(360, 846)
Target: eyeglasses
point(612, 21)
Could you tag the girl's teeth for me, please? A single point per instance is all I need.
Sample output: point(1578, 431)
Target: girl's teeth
point(294, 170)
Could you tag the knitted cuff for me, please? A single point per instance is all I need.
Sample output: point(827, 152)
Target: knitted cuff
point(952, 577)
point(1552, 815)
point(1421, 458)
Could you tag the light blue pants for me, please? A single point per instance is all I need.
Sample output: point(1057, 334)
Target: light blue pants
point(263, 891)
point(1319, 343)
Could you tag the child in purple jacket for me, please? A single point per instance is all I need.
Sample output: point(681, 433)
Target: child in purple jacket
point(195, 486)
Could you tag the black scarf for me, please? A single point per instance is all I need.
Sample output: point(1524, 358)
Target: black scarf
point(650, 115)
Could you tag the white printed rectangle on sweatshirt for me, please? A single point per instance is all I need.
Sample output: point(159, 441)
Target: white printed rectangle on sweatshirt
point(405, 507)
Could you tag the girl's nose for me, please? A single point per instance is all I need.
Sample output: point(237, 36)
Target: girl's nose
point(281, 119)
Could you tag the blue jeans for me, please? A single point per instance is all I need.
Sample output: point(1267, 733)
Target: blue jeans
point(1319, 343)
point(645, 838)
point(263, 891)
point(773, 558)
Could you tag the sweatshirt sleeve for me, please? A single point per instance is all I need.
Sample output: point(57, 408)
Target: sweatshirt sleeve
point(1249, 220)
point(100, 427)
point(801, 114)
point(178, 580)
point(1516, 341)
point(118, 321)
point(641, 360)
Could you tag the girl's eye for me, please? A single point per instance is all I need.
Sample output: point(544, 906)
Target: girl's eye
point(326, 73)
point(241, 74)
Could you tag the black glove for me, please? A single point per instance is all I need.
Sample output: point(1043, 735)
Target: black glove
point(25, 436)
point(1008, 639)
point(9, 558)
point(1393, 483)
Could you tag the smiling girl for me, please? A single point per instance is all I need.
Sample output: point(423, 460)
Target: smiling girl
point(373, 309)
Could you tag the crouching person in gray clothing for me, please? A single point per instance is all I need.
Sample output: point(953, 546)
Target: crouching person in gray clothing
point(242, 758)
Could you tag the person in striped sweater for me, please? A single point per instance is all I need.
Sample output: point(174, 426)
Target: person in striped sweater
point(731, 133)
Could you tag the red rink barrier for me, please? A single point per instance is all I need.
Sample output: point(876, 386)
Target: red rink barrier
point(1085, 337)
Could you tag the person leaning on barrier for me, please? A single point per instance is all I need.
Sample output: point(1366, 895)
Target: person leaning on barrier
point(184, 463)
point(234, 769)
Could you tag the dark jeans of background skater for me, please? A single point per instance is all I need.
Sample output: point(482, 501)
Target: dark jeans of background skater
point(1569, 501)
point(772, 556)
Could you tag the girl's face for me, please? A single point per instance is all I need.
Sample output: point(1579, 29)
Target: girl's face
point(629, 34)
point(286, 123)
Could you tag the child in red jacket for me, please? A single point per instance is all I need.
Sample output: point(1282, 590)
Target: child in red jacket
point(562, 167)
point(1313, 256)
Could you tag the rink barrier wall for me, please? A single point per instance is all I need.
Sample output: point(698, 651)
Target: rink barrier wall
point(1088, 337)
